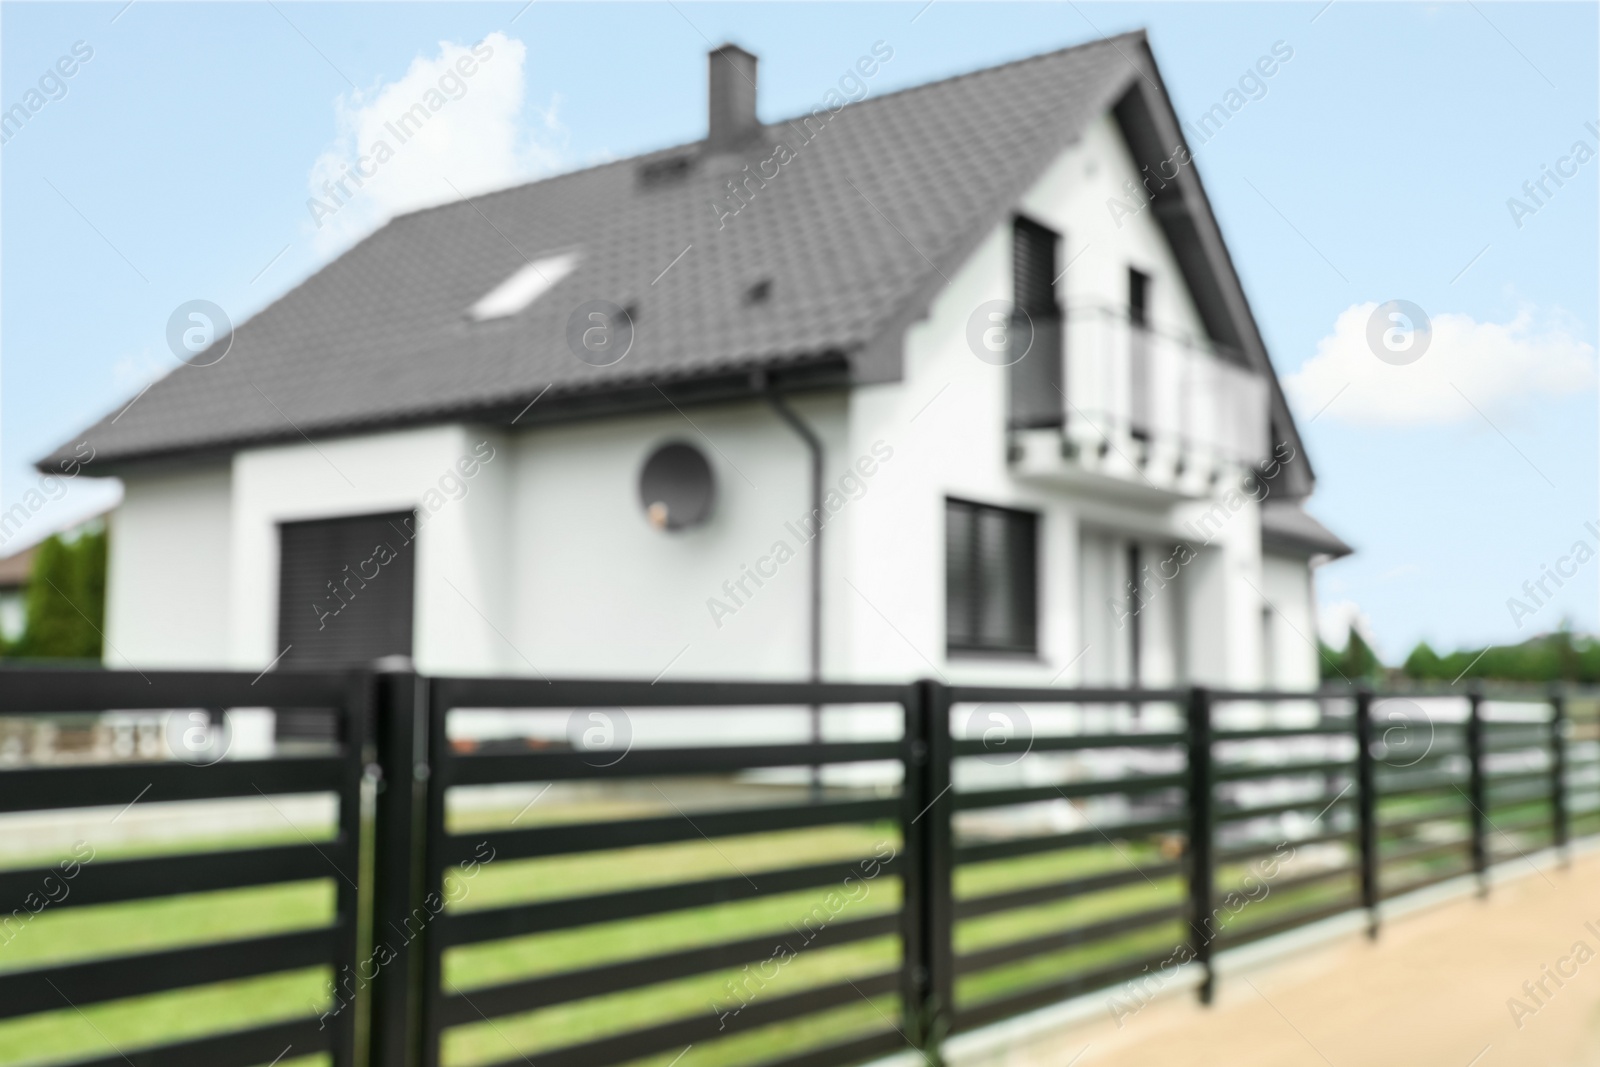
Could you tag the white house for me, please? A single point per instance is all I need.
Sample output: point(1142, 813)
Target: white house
point(569, 428)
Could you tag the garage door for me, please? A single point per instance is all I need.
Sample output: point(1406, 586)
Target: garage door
point(345, 590)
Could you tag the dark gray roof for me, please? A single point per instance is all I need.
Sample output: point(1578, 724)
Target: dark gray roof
point(854, 235)
point(1285, 527)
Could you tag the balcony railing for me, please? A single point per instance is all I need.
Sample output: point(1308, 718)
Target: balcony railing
point(1158, 399)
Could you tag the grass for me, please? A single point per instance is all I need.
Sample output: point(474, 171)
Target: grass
point(69, 934)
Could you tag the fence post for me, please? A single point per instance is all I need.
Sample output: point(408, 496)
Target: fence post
point(1477, 787)
point(928, 975)
point(348, 1042)
point(1202, 829)
point(1560, 818)
point(401, 735)
point(1367, 808)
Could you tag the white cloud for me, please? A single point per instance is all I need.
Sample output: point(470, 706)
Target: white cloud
point(1498, 366)
point(453, 119)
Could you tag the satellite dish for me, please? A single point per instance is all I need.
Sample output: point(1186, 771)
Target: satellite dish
point(676, 487)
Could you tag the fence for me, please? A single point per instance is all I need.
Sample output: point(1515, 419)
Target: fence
point(828, 874)
point(97, 877)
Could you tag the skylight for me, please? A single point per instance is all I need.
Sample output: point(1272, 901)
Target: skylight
point(530, 282)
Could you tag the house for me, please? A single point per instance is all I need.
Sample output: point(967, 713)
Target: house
point(955, 381)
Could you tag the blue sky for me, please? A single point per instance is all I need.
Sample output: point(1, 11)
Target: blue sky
point(176, 163)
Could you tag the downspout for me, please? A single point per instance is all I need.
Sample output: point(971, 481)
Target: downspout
point(814, 446)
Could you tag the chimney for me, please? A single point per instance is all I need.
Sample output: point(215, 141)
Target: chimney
point(733, 97)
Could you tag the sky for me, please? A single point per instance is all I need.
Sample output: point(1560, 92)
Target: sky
point(1397, 156)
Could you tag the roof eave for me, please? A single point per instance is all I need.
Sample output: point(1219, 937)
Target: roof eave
point(545, 406)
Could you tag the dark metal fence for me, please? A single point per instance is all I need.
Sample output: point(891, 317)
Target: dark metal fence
point(990, 851)
point(96, 876)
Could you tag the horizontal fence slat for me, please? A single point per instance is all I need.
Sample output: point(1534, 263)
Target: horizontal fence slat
point(1074, 742)
point(1329, 874)
point(1528, 793)
point(1275, 733)
point(1055, 941)
point(1227, 773)
point(1494, 746)
point(1492, 779)
point(1425, 882)
point(1421, 786)
point(1270, 927)
point(654, 762)
point(1538, 822)
point(451, 693)
point(94, 981)
point(979, 694)
point(114, 881)
point(1426, 851)
point(569, 838)
point(1275, 696)
point(1027, 846)
point(236, 1048)
point(529, 993)
point(119, 784)
point(620, 1048)
point(30, 689)
point(1132, 785)
point(459, 928)
point(971, 907)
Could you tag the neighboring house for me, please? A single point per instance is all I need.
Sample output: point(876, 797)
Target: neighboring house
point(567, 428)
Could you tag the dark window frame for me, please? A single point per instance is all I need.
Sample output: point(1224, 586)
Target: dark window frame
point(1036, 379)
point(967, 629)
point(1139, 282)
point(1030, 236)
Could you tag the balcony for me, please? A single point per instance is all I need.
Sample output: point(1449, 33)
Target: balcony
point(1100, 401)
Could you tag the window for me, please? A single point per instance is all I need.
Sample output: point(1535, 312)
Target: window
point(991, 566)
point(1138, 297)
point(1139, 353)
point(526, 284)
point(1135, 609)
point(1033, 267)
point(1035, 394)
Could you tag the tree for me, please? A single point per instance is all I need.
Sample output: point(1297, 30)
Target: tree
point(65, 607)
point(1359, 661)
point(1562, 655)
point(1356, 662)
point(1424, 663)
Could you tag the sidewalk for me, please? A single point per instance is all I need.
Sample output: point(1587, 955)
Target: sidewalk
point(1433, 991)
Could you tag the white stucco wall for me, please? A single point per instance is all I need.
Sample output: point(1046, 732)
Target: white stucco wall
point(169, 563)
point(599, 592)
point(1286, 581)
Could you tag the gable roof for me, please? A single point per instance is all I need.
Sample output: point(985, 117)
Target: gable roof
point(853, 236)
point(1286, 528)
